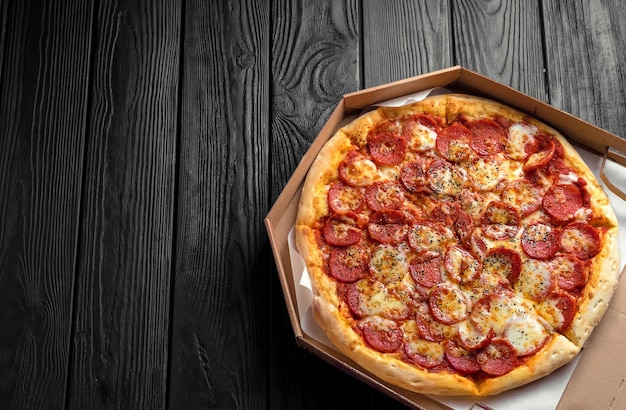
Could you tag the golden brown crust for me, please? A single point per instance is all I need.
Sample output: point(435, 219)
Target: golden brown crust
point(337, 321)
point(556, 353)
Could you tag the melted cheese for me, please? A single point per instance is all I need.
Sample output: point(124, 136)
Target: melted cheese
point(526, 334)
point(422, 138)
point(534, 280)
point(519, 136)
point(375, 300)
point(486, 174)
point(433, 350)
point(448, 181)
point(362, 172)
point(427, 238)
point(388, 264)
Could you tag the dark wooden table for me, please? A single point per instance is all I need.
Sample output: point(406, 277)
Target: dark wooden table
point(143, 142)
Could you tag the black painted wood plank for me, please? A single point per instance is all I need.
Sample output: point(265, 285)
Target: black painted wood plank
point(120, 345)
point(45, 66)
point(220, 323)
point(503, 40)
point(586, 72)
point(402, 39)
point(315, 60)
point(4, 14)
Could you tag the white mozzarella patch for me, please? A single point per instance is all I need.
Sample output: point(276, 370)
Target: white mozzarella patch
point(448, 181)
point(433, 350)
point(551, 313)
point(362, 172)
point(422, 138)
point(375, 300)
point(526, 334)
point(568, 178)
point(471, 336)
point(519, 136)
point(534, 280)
point(388, 264)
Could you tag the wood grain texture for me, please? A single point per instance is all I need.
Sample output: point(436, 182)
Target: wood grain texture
point(586, 72)
point(120, 341)
point(220, 323)
point(42, 134)
point(502, 40)
point(402, 39)
point(315, 52)
point(4, 14)
point(315, 60)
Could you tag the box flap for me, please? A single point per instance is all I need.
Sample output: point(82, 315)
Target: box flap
point(599, 381)
point(364, 98)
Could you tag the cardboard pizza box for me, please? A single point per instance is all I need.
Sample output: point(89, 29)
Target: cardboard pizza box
point(597, 378)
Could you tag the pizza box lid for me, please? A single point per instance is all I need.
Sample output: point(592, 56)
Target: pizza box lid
point(599, 378)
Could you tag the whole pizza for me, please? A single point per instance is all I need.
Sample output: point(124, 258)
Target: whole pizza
point(456, 246)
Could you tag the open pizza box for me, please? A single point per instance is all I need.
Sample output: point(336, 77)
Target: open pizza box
point(597, 377)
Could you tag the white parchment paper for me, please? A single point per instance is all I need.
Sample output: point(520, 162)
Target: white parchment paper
point(543, 394)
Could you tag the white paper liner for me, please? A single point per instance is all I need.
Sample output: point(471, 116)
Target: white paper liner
point(542, 394)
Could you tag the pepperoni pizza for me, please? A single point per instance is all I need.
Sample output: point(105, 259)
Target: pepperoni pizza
point(456, 245)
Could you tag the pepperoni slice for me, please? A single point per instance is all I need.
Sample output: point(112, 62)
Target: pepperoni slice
point(429, 121)
point(386, 148)
point(339, 233)
point(503, 262)
point(452, 214)
point(561, 202)
point(476, 243)
point(566, 304)
point(427, 273)
point(463, 226)
point(460, 265)
point(540, 159)
point(380, 196)
point(348, 264)
point(487, 137)
point(447, 304)
point(413, 178)
point(426, 326)
point(446, 212)
point(540, 241)
point(453, 142)
point(381, 334)
point(461, 359)
point(558, 310)
point(498, 358)
point(353, 300)
point(523, 195)
point(344, 199)
point(569, 271)
point(425, 353)
point(388, 226)
point(581, 240)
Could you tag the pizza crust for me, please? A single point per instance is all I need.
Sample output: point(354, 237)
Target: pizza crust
point(557, 352)
point(334, 317)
